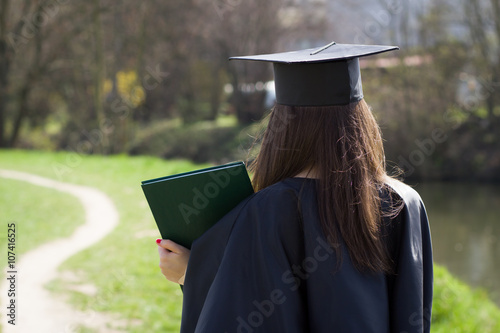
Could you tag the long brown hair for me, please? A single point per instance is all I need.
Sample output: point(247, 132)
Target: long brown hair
point(343, 146)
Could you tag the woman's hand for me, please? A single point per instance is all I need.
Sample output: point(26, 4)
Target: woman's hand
point(173, 260)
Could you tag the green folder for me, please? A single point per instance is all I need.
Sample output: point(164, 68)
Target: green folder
point(185, 205)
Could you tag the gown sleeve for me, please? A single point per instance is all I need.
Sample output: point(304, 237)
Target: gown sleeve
point(248, 277)
point(411, 287)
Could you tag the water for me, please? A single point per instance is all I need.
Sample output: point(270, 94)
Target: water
point(465, 226)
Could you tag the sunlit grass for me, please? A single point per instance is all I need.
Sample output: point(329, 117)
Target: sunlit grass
point(40, 214)
point(124, 266)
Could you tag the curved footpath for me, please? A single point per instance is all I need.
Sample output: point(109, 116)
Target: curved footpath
point(36, 309)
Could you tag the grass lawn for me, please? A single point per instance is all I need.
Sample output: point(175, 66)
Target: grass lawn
point(31, 206)
point(124, 266)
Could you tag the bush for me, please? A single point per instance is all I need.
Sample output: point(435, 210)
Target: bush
point(458, 308)
point(204, 141)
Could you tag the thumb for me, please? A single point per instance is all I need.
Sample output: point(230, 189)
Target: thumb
point(172, 246)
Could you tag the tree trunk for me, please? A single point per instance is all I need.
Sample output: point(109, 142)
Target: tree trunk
point(496, 76)
point(4, 68)
point(21, 113)
point(492, 93)
point(32, 75)
point(99, 75)
point(215, 93)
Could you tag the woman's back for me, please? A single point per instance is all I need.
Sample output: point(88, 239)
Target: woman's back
point(271, 269)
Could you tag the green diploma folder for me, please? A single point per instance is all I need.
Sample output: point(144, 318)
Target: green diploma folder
point(185, 205)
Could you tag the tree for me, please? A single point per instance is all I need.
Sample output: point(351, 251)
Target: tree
point(30, 47)
point(64, 63)
point(268, 27)
point(482, 18)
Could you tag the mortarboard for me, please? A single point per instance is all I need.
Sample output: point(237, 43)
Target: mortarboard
point(323, 76)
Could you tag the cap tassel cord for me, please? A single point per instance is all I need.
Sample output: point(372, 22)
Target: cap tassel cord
point(323, 48)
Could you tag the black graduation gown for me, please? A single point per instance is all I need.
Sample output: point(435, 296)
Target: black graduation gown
point(267, 267)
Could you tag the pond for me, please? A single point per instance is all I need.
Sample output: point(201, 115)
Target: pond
point(465, 227)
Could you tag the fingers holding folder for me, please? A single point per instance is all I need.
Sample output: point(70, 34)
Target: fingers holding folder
point(173, 260)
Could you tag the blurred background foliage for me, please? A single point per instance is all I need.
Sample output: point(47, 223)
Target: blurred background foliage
point(152, 77)
point(103, 77)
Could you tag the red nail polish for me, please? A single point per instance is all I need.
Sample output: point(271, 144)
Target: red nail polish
point(158, 240)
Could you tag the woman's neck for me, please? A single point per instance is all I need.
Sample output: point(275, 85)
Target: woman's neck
point(307, 173)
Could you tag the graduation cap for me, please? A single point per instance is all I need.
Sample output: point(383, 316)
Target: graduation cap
point(328, 75)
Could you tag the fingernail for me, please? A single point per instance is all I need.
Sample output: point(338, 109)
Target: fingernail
point(158, 240)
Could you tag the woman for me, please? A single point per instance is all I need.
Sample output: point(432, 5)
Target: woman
point(328, 242)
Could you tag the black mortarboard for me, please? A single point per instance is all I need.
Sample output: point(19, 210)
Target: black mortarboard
point(328, 75)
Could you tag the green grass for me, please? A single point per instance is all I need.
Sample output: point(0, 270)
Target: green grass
point(458, 308)
point(40, 214)
point(124, 266)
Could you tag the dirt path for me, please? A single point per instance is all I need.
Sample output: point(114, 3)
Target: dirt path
point(37, 310)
